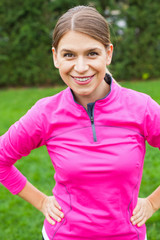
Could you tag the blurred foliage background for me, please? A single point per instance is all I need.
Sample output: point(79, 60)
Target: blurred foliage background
point(26, 37)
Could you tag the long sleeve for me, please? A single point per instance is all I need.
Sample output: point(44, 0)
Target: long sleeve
point(152, 123)
point(23, 136)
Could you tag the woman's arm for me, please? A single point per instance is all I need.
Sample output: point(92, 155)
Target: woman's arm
point(22, 137)
point(47, 205)
point(145, 208)
point(154, 199)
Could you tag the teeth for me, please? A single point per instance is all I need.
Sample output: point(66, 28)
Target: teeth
point(82, 79)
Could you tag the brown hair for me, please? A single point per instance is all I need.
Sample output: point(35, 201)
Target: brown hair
point(83, 19)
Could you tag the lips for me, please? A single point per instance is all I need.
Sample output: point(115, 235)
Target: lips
point(82, 80)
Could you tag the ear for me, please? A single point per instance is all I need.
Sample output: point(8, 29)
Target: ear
point(55, 60)
point(109, 52)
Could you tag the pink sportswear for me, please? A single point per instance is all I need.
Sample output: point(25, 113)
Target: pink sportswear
point(97, 156)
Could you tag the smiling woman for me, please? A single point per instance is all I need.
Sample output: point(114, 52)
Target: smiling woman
point(95, 133)
point(82, 66)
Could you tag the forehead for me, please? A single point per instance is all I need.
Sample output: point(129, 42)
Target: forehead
point(76, 40)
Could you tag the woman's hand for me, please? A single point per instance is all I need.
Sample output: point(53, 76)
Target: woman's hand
point(47, 205)
point(51, 210)
point(142, 212)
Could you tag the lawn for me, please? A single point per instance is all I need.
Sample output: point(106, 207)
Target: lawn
point(18, 219)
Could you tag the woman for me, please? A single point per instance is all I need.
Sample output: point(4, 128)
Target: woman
point(95, 134)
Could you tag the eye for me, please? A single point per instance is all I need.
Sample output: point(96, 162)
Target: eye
point(93, 54)
point(68, 55)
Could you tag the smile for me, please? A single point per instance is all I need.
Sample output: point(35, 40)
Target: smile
point(83, 79)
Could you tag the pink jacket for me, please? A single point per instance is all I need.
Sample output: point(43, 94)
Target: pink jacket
point(97, 156)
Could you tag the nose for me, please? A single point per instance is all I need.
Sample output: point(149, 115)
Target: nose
point(81, 65)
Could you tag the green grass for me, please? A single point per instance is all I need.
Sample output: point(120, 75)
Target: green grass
point(18, 219)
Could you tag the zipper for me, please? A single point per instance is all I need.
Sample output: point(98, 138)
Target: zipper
point(90, 111)
point(93, 129)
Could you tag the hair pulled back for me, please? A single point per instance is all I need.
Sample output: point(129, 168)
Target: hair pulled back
point(83, 19)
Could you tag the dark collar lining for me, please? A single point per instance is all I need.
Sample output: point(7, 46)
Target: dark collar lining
point(108, 78)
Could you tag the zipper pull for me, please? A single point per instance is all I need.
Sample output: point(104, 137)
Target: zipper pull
point(92, 120)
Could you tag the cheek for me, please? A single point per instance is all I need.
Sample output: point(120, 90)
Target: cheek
point(65, 67)
point(101, 68)
point(99, 65)
point(64, 72)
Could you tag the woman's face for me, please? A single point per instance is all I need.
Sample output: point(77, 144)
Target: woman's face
point(82, 62)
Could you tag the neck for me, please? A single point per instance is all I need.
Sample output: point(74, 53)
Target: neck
point(102, 90)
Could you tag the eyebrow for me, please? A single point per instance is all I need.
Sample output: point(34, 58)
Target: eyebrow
point(87, 50)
